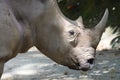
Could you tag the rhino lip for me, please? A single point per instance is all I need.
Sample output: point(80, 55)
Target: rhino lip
point(77, 66)
point(84, 69)
point(74, 67)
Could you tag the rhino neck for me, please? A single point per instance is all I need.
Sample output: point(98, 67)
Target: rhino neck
point(33, 15)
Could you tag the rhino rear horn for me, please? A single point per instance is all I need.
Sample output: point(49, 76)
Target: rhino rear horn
point(100, 27)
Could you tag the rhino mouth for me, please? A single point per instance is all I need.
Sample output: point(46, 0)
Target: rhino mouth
point(84, 67)
point(78, 67)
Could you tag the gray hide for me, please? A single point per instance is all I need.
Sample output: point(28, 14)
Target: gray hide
point(27, 23)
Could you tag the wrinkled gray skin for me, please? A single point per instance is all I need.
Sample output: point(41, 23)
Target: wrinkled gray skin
point(27, 23)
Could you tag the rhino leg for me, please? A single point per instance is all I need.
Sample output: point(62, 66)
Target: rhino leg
point(1, 68)
point(9, 35)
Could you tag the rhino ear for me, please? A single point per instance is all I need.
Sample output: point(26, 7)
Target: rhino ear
point(80, 21)
point(100, 27)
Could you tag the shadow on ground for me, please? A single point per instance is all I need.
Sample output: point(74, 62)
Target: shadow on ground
point(35, 66)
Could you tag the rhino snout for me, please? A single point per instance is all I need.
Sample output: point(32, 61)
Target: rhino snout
point(84, 66)
point(82, 59)
point(87, 65)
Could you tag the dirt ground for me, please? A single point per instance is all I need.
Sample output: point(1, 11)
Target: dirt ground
point(35, 66)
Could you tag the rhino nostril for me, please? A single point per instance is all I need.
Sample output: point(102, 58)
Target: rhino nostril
point(90, 60)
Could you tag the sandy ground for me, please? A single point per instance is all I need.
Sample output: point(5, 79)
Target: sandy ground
point(35, 66)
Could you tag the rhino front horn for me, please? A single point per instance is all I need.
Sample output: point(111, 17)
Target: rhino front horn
point(100, 27)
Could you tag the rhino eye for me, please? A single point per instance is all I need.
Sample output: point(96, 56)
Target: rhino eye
point(72, 37)
point(71, 32)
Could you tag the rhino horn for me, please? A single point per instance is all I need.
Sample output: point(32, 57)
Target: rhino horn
point(100, 27)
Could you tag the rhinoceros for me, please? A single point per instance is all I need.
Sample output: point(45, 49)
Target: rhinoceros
point(40, 23)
